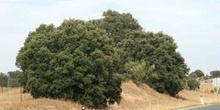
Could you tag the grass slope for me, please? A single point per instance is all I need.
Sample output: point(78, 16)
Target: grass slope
point(135, 97)
point(142, 97)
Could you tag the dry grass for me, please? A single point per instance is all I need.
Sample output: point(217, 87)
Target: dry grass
point(135, 97)
point(10, 100)
point(206, 87)
point(142, 97)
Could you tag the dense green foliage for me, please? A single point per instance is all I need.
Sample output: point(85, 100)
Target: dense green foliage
point(10, 79)
point(73, 61)
point(197, 73)
point(193, 75)
point(86, 61)
point(215, 74)
point(146, 51)
point(193, 84)
point(193, 79)
point(159, 50)
point(13, 78)
point(118, 25)
point(3, 80)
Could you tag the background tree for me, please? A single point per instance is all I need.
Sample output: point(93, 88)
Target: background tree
point(197, 73)
point(193, 84)
point(193, 75)
point(206, 77)
point(13, 78)
point(3, 80)
point(74, 61)
point(215, 74)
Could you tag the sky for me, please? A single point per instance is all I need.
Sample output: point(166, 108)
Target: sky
point(194, 24)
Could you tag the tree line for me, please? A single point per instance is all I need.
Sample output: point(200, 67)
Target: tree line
point(200, 74)
point(87, 61)
point(10, 79)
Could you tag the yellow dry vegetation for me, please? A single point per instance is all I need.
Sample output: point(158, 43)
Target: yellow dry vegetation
point(10, 100)
point(135, 97)
point(142, 97)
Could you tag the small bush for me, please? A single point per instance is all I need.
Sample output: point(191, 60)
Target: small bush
point(193, 84)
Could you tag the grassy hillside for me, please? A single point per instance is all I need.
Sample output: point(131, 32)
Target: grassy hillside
point(140, 97)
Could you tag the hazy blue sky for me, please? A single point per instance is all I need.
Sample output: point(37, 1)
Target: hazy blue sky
point(194, 24)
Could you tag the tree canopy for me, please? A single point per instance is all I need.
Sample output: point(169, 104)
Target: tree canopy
point(193, 84)
point(117, 25)
point(3, 80)
point(13, 78)
point(73, 61)
point(86, 61)
point(157, 49)
point(10, 79)
point(215, 74)
point(193, 75)
point(197, 73)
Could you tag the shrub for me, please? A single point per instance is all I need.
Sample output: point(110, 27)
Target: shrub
point(193, 84)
